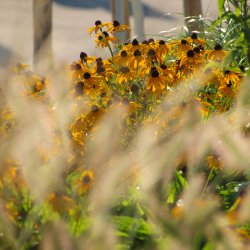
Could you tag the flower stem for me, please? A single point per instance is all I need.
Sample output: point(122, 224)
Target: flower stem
point(209, 178)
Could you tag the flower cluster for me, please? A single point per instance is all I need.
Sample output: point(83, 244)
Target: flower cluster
point(141, 77)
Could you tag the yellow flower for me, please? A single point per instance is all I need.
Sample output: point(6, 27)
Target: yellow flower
point(75, 71)
point(192, 60)
point(104, 69)
point(90, 81)
point(98, 27)
point(125, 75)
point(156, 83)
point(20, 68)
point(161, 48)
point(135, 45)
point(87, 59)
point(227, 90)
point(217, 54)
point(195, 40)
point(103, 39)
point(61, 203)
point(122, 58)
point(117, 27)
point(152, 58)
point(137, 60)
point(180, 47)
point(85, 181)
point(214, 161)
point(230, 78)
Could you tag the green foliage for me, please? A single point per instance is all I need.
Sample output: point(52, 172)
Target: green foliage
point(135, 233)
point(229, 193)
point(175, 187)
point(234, 26)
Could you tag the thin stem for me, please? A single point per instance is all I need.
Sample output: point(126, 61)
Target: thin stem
point(207, 182)
point(110, 50)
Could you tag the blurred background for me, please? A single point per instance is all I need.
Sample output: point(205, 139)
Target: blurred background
point(70, 21)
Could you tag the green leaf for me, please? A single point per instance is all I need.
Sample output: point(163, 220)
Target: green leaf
point(221, 6)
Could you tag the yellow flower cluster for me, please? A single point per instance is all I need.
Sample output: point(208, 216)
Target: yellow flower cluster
point(138, 76)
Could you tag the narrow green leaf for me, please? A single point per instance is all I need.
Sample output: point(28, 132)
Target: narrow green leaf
point(221, 6)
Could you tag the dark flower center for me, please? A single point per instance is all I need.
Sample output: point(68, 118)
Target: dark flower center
point(98, 60)
point(145, 42)
point(83, 55)
point(161, 42)
point(98, 22)
point(134, 88)
point(151, 52)
point(190, 53)
point(217, 47)
point(153, 69)
point(155, 73)
point(86, 179)
point(100, 69)
point(86, 75)
point(151, 40)
point(75, 66)
point(197, 50)
point(79, 88)
point(135, 42)
point(94, 108)
point(183, 41)
point(194, 36)
point(137, 53)
point(242, 68)
point(163, 66)
point(229, 84)
point(100, 38)
point(116, 23)
point(124, 70)
point(105, 33)
point(226, 72)
point(201, 47)
point(124, 53)
point(103, 94)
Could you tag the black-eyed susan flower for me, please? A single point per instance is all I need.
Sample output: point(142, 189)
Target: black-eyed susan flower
point(105, 73)
point(61, 203)
point(161, 48)
point(87, 59)
point(180, 47)
point(122, 58)
point(84, 182)
point(152, 58)
point(217, 54)
point(117, 27)
point(168, 72)
point(156, 82)
point(230, 78)
point(135, 45)
point(75, 70)
point(137, 60)
point(214, 161)
point(79, 88)
point(98, 27)
point(192, 60)
point(90, 80)
point(104, 39)
point(193, 39)
point(125, 74)
point(227, 90)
